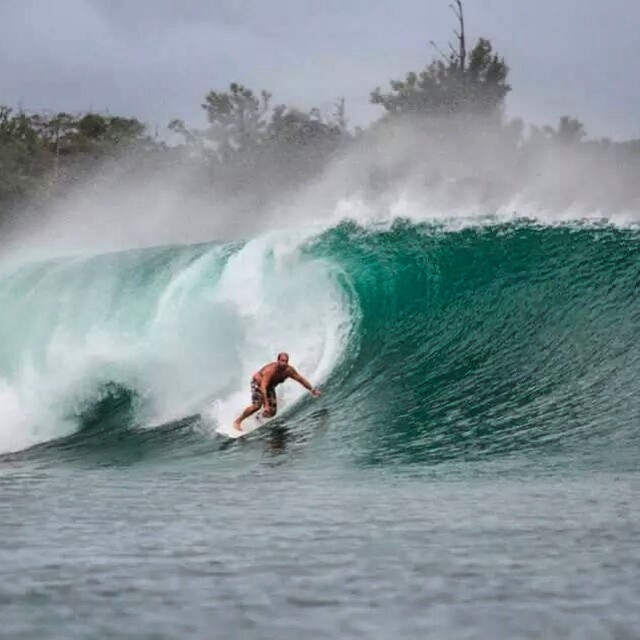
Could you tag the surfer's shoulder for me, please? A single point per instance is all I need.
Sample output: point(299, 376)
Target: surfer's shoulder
point(269, 368)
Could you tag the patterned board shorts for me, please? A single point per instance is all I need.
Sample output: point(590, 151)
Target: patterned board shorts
point(256, 395)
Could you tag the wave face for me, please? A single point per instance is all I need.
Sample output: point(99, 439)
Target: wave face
point(432, 344)
point(496, 339)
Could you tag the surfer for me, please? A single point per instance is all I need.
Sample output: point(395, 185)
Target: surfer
point(263, 387)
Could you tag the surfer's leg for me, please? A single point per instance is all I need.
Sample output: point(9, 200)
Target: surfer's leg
point(249, 411)
point(273, 403)
point(256, 403)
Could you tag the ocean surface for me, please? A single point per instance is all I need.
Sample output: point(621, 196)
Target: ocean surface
point(471, 471)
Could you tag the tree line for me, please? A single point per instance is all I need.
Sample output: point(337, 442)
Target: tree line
point(249, 138)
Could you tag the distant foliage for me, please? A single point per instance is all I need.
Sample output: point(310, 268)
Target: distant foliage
point(248, 144)
point(477, 85)
point(39, 151)
point(246, 138)
point(24, 156)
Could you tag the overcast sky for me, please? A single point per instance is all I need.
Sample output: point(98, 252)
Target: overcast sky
point(156, 59)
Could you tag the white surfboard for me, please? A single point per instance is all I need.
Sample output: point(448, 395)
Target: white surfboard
point(249, 425)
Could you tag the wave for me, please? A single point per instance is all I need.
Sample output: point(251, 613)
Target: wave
point(432, 343)
point(179, 327)
point(497, 338)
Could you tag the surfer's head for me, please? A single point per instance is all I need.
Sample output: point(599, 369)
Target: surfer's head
point(283, 359)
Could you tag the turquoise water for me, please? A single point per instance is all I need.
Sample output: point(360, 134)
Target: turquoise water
point(471, 470)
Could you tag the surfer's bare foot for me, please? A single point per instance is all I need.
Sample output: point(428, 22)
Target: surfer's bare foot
point(236, 425)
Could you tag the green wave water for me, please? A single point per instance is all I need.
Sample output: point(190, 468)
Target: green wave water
point(431, 344)
point(510, 338)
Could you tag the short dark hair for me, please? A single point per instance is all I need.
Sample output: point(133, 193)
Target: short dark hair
point(285, 354)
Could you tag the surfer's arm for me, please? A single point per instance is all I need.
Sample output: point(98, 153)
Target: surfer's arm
point(303, 381)
point(264, 386)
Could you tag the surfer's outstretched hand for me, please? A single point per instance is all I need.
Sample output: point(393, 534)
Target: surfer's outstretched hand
point(316, 392)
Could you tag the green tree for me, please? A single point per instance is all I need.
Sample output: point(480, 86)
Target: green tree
point(569, 131)
point(290, 126)
point(24, 157)
point(248, 140)
point(109, 134)
point(461, 82)
point(43, 151)
point(297, 144)
point(92, 126)
point(237, 119)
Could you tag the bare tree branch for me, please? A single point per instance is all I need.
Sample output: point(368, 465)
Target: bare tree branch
point(461, 54)
point(443, 55)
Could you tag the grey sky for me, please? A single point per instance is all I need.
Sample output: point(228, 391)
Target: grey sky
point(156, 59)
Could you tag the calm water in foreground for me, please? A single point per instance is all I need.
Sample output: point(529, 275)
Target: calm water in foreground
point(253, 544)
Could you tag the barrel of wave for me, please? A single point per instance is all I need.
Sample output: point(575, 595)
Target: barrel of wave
point(284, 300)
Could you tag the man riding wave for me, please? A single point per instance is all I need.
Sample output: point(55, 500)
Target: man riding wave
point(263, 387)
